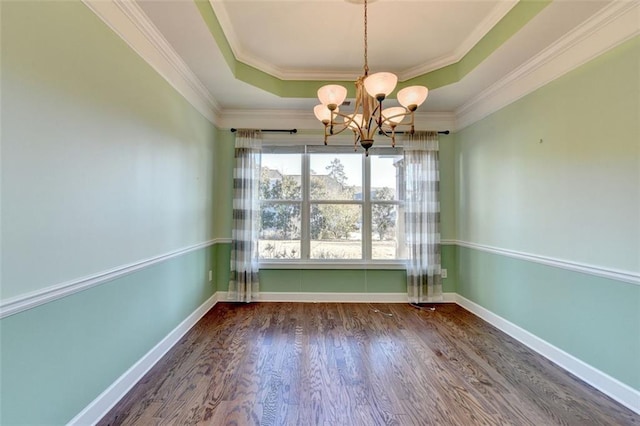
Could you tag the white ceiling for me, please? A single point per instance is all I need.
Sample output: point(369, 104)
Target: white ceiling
point(322, 39)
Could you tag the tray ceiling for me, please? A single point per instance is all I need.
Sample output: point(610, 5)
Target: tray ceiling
point(262, 55)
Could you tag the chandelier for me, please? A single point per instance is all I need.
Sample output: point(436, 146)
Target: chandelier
point(369, 116)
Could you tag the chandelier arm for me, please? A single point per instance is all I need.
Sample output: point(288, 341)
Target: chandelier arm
point(350, 119)
point(344, 126)
point(387, 132)
point(387, 120)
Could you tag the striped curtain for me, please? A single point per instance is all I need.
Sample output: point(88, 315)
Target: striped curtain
point(243, 284)
point(422, 217)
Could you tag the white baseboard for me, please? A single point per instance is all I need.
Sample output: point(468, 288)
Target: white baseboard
point(308, 297)
point(100, 406)
point(606, 384)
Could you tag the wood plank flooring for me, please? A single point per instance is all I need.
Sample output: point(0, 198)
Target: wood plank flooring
point(345, 364)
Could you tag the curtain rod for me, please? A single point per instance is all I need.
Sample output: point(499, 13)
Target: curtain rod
point(440, 132)
point(293, 131)
point(290, 131)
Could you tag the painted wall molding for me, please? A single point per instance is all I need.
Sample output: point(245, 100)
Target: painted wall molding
point(30, 300)
point(496, 15)
point(606, 384)
point(100, 406)
point(241, 55)
point(320, 297)
point(133, 26)
point(613, 25)
point(599, 271)
point(610, 27)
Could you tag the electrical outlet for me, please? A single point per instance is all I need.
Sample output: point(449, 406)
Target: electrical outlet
point(210, 275)
point(443, 273)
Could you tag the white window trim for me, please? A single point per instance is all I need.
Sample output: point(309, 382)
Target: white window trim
point(366, 203)
point(333, 264)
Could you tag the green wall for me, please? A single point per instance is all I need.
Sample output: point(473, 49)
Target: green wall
point(98, 151)
point(103, 164)
point(574, 196)
point(60, 356)
point(594, 319)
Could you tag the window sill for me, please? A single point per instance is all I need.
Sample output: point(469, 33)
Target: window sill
point(389, 265)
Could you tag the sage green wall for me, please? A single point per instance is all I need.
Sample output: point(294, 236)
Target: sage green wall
point(350, 280)
point(575, 196)
point(594, 319)
point(60, 356)
point(447, 157)
point(103, 164)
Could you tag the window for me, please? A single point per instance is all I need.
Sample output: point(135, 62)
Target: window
point(331, 204)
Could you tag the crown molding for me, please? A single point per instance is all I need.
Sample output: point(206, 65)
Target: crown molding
point(499, 12)
point(614, 24)
point(133, 26)
point(611, 26)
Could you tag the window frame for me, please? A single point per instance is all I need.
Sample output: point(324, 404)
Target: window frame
point(305, 262)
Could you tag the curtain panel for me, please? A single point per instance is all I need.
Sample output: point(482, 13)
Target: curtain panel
point(243, 284)
point(422, 217)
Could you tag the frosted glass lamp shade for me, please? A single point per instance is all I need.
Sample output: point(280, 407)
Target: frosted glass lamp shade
point(380, 84)
point(393, 115)
point(357, 121)
point(412, 97)
point(323, 113)
point(332, 95)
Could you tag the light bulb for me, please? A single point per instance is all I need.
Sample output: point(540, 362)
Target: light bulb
point(380, 84)
point(412, 97)
point(332, 95)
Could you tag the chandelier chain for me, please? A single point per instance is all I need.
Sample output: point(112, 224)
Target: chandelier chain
point(366, 63)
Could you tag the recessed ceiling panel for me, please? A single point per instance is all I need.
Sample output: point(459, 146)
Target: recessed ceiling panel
point(294, 39)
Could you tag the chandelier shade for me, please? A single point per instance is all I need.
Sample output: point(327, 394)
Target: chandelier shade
point(368, 117)
point(323, 113)
point(380, 85)
point(412, 97)
point(332, 95)
point(393, 115)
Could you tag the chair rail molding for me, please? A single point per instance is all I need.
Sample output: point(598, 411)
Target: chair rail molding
point(36, 298)
point(599, 271)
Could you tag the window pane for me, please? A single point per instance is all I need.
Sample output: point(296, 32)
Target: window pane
point(386, 177)
point(281, 177)
point(336, 176)
point(336, 231)
point(387, 231)
point(279, 231)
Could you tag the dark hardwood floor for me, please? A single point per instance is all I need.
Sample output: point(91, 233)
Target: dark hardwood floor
point(344, 364)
